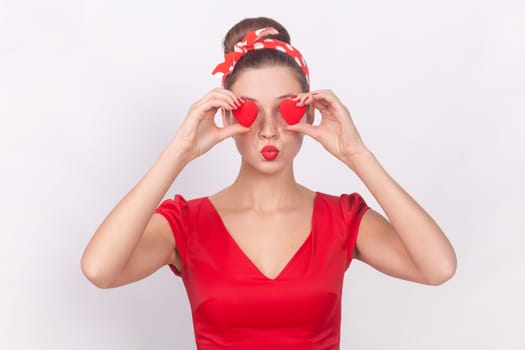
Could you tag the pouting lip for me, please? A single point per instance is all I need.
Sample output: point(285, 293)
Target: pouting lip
point(270, 152)
point(269, 148)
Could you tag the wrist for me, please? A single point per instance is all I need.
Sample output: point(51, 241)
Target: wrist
point(357, 158)
point(180, 151)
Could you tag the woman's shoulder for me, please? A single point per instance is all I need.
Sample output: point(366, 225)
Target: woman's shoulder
point(179, 200)
point(344, 202)
point(337, 197)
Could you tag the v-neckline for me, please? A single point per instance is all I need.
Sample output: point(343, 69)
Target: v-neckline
point(247, 258)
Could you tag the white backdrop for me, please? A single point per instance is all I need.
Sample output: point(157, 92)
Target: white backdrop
point(92, 91)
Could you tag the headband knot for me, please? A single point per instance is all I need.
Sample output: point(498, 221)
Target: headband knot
point(254, 41)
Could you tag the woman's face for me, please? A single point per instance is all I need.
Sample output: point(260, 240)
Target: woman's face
point(268, 146)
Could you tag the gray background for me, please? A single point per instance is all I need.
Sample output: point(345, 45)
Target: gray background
point(92, 91)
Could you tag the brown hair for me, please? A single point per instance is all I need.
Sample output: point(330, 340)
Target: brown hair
point(262, 57)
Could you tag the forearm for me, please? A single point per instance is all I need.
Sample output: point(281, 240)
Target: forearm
point(117, 236)
point(424, 241)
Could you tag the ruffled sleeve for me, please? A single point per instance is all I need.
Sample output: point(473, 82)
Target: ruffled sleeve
point(176, 212)
point(353, 207)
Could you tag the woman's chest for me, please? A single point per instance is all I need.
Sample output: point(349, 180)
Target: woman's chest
point(276, 262)
point(268, 241)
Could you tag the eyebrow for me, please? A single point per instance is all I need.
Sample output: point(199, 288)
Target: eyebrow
point(279, 98)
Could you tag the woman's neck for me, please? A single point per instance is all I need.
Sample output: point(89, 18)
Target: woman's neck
point(266, 192)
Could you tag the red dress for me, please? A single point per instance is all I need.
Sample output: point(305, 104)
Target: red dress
point(235, 306)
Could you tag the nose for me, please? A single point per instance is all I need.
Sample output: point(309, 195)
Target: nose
point(269, 125)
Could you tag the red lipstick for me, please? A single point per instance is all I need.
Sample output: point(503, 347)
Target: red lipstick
point(270, 152)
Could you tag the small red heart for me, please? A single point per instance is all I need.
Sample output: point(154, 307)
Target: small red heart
point(291, 112)
point(246, 113)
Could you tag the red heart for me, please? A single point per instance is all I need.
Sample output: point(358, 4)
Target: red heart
point(246, 113)
point(291, 112)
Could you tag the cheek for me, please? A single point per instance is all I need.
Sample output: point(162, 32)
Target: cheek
point(295, 142)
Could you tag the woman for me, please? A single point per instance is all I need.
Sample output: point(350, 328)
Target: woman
point(263, 260)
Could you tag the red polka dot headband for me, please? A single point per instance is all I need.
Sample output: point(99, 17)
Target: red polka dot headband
point(254, 41)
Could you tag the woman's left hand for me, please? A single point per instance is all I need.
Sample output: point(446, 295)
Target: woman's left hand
point(336, 131)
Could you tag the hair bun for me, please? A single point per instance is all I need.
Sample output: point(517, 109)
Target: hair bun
point(239, 30)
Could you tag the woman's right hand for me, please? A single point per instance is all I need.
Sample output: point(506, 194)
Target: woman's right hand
point(199, 133)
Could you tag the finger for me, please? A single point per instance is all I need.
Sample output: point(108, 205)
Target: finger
point(329, 97)
point(230, 96)
point(325, 92)
point(212, 104)
point(231, 130)
point(322, 96)
point(305, 99)
point(219, 93)
point(300, 98)
point(326, 100)
point(305, 128)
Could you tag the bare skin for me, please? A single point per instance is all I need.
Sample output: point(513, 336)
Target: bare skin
point(265, 210)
